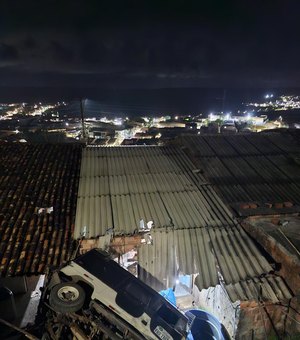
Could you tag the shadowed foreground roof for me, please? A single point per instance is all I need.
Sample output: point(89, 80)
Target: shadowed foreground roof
point(38, 192)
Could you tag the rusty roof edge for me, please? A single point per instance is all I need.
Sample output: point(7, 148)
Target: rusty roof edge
point(289, 264)
point(259, 234)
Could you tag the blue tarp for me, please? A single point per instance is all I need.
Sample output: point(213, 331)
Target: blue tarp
point(169, 295)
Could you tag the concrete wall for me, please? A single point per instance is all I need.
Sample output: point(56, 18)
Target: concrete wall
point(250, 319)
point(292, 323)
point(255, 320)
point(216, 301)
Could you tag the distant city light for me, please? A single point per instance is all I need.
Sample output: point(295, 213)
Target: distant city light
point(252, 118)
point(118, 121)
point(281, 103)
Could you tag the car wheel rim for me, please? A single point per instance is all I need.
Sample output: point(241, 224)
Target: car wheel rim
point(68, 293)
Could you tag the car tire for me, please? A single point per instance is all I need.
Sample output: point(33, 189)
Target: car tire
point(66, 297)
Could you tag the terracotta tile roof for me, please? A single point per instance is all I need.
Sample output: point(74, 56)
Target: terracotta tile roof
point(38, 192)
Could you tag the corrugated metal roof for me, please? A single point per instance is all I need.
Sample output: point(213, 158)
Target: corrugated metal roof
point(38, 192)
point(129, 184)
point(194, 231)
point(270, 288)
point(211, 252)
point(250, 169)
point(134, 183)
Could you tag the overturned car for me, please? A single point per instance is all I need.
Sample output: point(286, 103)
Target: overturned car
point(93, 297)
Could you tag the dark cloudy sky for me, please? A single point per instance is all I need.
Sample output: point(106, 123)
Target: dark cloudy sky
point(158, 43)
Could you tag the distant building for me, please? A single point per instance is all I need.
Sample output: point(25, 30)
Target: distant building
point(191, 126)
point(172, 124)
point(101, 133)
point(228, 128)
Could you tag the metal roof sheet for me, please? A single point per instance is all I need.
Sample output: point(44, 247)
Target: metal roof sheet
point(158, 184)
point(257, 168)
point(263, 143)
point(270, 288)
point(212, 252)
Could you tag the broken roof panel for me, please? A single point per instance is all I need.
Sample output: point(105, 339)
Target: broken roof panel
point(270, 288)
point(214, 253)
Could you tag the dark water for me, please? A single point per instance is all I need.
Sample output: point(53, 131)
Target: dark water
point(146, 101)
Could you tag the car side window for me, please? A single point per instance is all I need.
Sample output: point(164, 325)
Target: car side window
point(168, 315)
point(133, 299)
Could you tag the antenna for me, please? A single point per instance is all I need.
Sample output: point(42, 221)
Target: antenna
point(82, 117)
point(223, 100)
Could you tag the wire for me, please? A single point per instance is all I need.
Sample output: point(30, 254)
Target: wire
point(265, 330)
point(98, 106)
point(291, 317)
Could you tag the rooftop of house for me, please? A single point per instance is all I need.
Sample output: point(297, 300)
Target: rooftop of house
point(255, 174)
point(38, 192)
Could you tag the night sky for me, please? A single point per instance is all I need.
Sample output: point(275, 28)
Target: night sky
point(150, 44)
